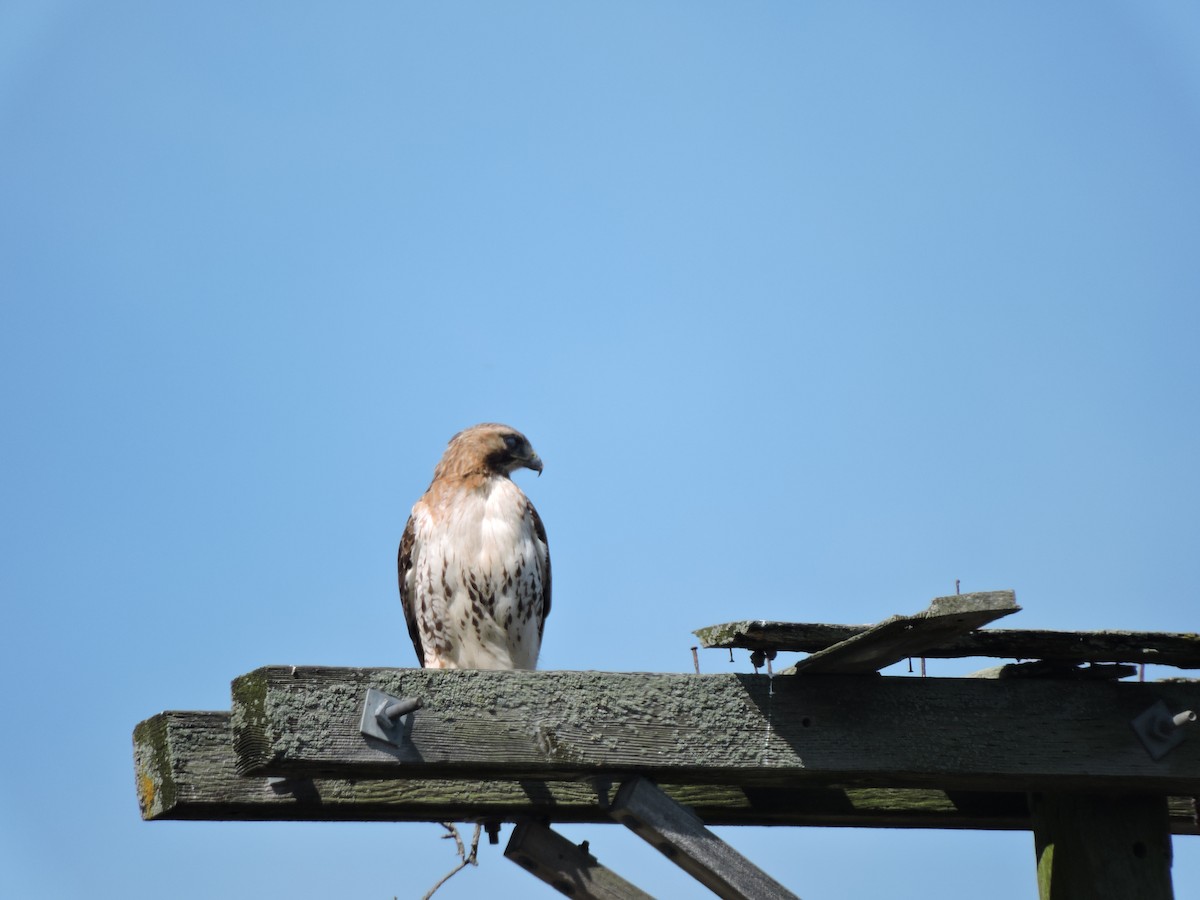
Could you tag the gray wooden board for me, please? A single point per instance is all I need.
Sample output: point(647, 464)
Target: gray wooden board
point(185, 768)
point(680, 835)
point(566, 867)
point(904, 636)
point(945, 733)
point(1153, 647)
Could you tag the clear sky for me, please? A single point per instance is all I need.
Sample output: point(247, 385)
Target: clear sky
point(811, 308)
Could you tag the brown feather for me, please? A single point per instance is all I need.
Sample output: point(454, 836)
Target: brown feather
point(403, 565)
point(540, 529)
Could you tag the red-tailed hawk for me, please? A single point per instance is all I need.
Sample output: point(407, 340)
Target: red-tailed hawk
point(474, 566)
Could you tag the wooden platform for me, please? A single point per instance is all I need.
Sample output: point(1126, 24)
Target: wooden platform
point(672, 754)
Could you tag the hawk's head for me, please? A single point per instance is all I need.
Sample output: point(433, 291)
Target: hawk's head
point(488, 448)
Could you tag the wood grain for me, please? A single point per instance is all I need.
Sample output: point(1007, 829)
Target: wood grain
point(944, 733)
point(186, 769)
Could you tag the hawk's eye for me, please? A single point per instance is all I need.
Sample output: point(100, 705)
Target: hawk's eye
point(511, 442)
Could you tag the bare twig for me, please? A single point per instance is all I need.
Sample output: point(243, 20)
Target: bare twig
point(468, 858)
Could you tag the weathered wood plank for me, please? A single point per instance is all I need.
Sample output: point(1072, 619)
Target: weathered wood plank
point(945, 733)
point(1159, 648)
point(677, 833)
point(186, 769)
point(901, 637)
point(569, 869)
point(1102, 847)
point(1042, 668)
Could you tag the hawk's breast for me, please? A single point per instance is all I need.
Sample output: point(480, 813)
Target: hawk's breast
point(477, 578)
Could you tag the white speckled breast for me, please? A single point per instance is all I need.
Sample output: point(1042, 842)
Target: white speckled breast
point(477, 574)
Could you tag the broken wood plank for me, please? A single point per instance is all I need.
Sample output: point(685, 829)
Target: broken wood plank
point(680, 835)
point(1104, 847)
point(1042, 668)
point(569, 869)
point(944, 733)
point(901, 637)
point(1181, 650)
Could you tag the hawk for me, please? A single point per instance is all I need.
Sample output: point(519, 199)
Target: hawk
point(474, 566)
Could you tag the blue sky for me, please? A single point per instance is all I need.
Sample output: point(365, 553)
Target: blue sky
point(810, 309)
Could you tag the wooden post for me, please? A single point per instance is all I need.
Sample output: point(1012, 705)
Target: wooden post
point(1096, 847)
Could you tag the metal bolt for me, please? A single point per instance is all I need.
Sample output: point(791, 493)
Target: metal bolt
point(391, 710)
point(1187, 717)
point(1165, 725)
point(387, 718)
point(1161, 731)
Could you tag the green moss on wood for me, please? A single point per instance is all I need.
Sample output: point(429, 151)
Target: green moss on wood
point(156, 787)
point(250, 721)
point(724, 635)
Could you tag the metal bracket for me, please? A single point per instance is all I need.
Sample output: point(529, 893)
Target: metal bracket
point(387, 718)
point(1161, 732)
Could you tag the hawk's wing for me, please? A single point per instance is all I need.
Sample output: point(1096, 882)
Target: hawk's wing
point(404, 564)
point(544, 564)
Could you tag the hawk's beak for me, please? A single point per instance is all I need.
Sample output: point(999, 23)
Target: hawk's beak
point(534, 462)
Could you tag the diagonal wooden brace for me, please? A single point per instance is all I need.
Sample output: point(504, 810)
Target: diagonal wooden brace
point(569, 869)
point(678, 834)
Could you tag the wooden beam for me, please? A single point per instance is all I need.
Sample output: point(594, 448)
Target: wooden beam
point(944, 733)
point(186, 769)
point(901, 637)
point(1102, 847)
point(678, 833)
point(1153, 647)
point(569, 869)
